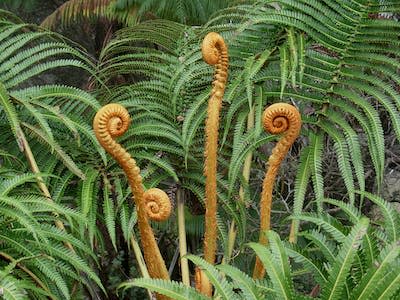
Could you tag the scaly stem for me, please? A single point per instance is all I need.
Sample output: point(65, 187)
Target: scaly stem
point(182, 236)
point(110, 122)
point(215, 53)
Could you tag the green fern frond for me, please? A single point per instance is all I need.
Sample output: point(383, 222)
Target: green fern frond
point(87, 193)
point(69, 163)
point(302, 179)
point(223, 288)
point(351, 212)
point(391, 217)
point(172, 289)
point(343, 158)
point(277, 272)
point(109, 214)
point(316, 168)
point(370, 285)
point(328, 223)
point(308, 263)
point(242, 281)
point(337, 278)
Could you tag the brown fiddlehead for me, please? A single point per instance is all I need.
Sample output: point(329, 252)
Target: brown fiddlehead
point(112, 121)
point(214, 52)
point(279, 118)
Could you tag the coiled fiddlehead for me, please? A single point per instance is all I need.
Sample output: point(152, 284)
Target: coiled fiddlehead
point(110, 122)
point(214, 52)
point(158, 205)
point(277, 118)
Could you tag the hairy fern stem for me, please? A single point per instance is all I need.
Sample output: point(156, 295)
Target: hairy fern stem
point(214, 52)
point(110, 122)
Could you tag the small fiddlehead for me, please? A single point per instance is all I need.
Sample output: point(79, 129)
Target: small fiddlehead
point(158, 205)
point(214, 52)
point(110, 122)
point(279, 118)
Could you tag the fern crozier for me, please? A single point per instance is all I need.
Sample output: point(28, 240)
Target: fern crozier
point(110, 122)
point(214, 52)
point(277, 118)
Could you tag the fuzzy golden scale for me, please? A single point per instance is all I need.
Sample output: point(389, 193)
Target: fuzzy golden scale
point(110, 122)
point(279, 118)
point(214, 52)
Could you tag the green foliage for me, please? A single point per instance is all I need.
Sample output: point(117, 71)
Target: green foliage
point(187, 12)
point(73, 11)
point(39, 266)
point(131, 12)
point(337, 61)
point(35, 262)
point(278, 50)
point(342, 272)
point(27, 5)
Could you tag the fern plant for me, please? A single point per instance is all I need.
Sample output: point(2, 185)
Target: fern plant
point(323, 57)
point(331, 57)
point(357, 261)
point(132, 12)
point(34, 261)
point(336, 60)
point(38, 120)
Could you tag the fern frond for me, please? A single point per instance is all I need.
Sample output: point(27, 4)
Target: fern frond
point(391, 217)
point(241, 281)
point(109, 214)
point(370, 283)
point(172, 289)
point(301, 183)
point(340, 269)
point(277, 272)
point(222, 286)
point(308, 263)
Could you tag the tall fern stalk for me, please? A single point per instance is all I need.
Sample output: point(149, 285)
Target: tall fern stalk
point(182, 236)
point(277, 118)
point(110, 122)
point(214, 52)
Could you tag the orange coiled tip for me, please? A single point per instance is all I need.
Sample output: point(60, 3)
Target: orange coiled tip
point(282, 117)
point(211, 48)
point(158, 205)
point(113, 119)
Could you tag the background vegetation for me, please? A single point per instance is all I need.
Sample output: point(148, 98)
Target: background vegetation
point(66, 215)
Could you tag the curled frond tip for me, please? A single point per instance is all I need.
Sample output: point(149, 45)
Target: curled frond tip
point(112, 119)
point(158, 205)
point(213, 48)
point(280, 118)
